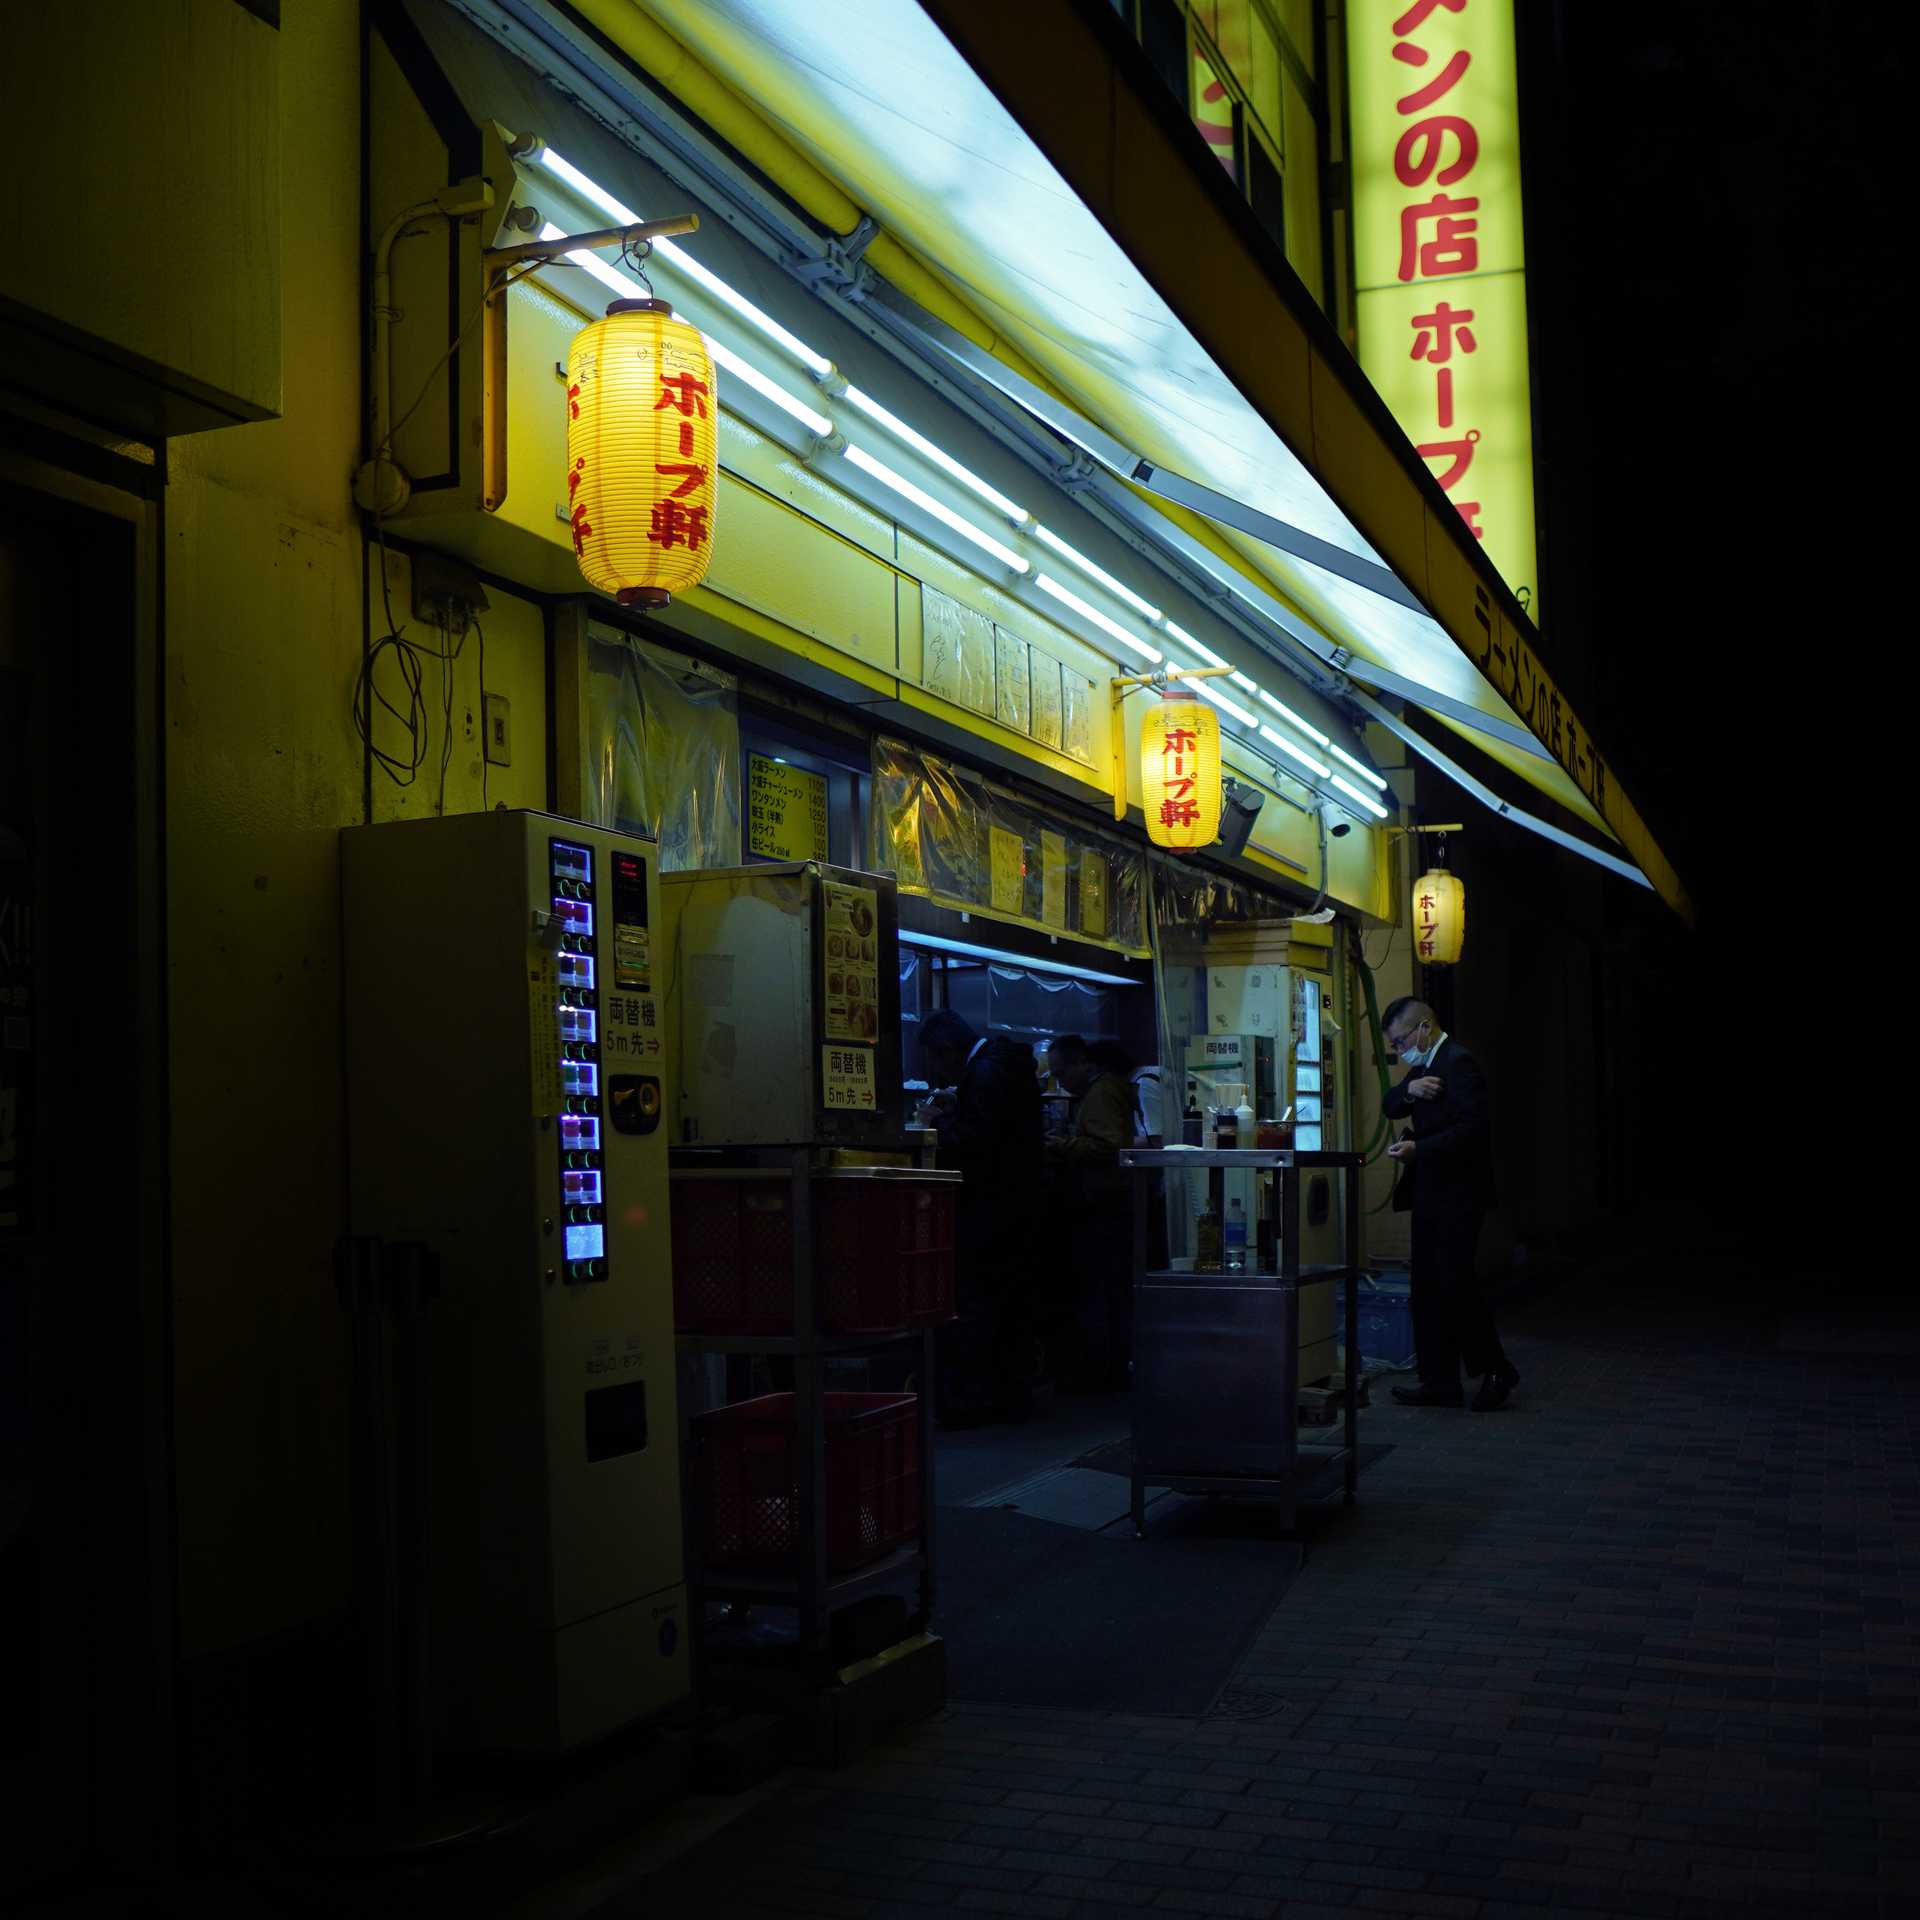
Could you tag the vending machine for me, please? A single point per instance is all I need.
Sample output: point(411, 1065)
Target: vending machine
point(506, 1096)
point(782, 1000)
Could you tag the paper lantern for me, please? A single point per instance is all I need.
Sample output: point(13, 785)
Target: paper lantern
point(643, 437)
point(1180, 773)
point(1439, 918)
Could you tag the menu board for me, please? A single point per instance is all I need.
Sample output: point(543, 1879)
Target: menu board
point(1009, 871)
point(1053, 878)
point(1076, 716)
point(786, 810)
point(1016, 704)
point(1045, 675)
point(1093, 894)
point(850, 958)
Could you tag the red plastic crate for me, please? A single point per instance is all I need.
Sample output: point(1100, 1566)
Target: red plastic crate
point(745, 1481)
point(883, 1254)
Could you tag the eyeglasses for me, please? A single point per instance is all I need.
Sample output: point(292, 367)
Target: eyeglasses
point(1398, 1041)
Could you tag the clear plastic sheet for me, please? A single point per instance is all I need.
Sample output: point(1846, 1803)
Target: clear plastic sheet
point(959, 657)
point(663, 746)
point(934, 826)
point(1188, 897)
point(1035, 1006)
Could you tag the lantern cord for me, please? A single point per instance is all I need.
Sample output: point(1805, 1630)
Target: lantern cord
point(502, 280)
point(636, 254)
point(409, 662)
point(1320, 898)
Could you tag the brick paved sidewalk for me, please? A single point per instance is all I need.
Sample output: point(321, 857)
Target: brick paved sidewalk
point(1645, 1644)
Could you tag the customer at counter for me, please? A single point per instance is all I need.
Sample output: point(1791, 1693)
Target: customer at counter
point(990, 1133)
point(1092, 1199)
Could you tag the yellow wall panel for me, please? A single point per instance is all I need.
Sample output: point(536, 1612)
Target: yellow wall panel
point(768, 557)
point(508, 653)
point(908, 626)
point(150, 138)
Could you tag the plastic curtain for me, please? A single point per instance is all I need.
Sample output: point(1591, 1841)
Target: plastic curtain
point(950, 835)
point(663, 747)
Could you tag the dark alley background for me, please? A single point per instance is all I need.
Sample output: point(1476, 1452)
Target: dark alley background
point(1712, 265)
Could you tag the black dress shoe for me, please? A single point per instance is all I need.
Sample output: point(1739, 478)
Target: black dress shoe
point(1494, 1389)
point(1430, 1396)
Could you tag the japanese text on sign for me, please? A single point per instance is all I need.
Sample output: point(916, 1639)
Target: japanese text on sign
point(1180, 778)
point(846, 1080)
point(1439, 255)
point(1009, 878)
point(630, 1028)
point(786, 810)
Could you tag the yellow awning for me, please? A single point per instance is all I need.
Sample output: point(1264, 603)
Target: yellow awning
point(1027, 196)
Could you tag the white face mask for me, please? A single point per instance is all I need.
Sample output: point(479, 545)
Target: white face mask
point(1410, 1055)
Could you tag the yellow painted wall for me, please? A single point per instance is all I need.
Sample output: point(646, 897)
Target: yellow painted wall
point(263, 638)
point(143, 145)
point(264, 572)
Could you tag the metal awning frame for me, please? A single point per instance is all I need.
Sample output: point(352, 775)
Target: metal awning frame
point(990, 398)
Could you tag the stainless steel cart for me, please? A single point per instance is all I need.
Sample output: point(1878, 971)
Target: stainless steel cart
point(1216, 1355)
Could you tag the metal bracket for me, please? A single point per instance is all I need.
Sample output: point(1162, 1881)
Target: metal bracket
point(1077, 475)
point(841, 265)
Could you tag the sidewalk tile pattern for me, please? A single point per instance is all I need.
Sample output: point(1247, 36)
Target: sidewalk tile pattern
point(1647, 1643)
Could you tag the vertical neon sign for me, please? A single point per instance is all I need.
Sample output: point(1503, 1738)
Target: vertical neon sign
point(1439, 256)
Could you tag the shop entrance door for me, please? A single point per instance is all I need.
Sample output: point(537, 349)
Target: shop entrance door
point(85, 1638)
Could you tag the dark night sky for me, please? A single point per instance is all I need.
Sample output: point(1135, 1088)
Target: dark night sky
point(1713, 311)
point(1721, 427)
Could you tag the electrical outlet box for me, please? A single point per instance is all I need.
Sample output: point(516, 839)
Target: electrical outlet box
point(499, 749)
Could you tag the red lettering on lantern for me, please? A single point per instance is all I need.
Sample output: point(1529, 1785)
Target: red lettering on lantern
point(685, 393)
point(696, 476)
point(674, 525)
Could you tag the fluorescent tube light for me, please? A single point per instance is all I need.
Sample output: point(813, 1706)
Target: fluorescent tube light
point(1353, 793)
point(1360, 767)
point(609, 277)
point(940, 457)
point(749, 375)
point(1287, 747)
point(1047, 584)
point(1200, 647)
point(998, 956)
point(1206, 692)
point(928, 504)
point(1242, 681)
point(1286, 713)
point(1120, 591)
point(683, 262)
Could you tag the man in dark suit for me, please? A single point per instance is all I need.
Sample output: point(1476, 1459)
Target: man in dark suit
point(1446, 1179)
point(990, 1131)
